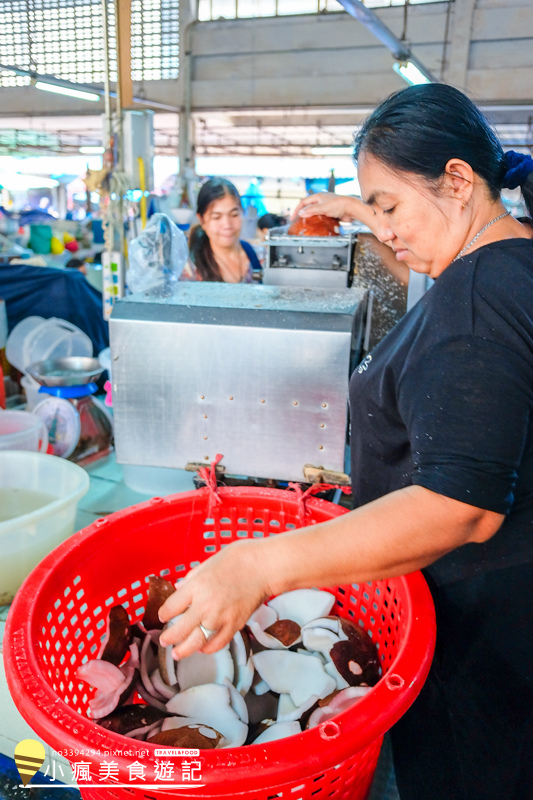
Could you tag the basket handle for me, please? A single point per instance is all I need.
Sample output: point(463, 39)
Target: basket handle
point(393, 681)
point(329, 730)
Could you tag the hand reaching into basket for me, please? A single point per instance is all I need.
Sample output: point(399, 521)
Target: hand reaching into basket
point(216, 599)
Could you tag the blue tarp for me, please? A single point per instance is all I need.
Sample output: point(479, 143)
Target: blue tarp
point(47, 292)
point(254, 197)
point(30, 217)
point(315, 185)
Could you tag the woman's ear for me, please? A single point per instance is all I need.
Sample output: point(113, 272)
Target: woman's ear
point(459, 180)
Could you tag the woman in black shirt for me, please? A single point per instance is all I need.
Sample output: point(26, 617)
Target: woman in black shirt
point(442, 454)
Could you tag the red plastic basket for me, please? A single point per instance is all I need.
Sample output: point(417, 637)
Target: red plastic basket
point(59, 616)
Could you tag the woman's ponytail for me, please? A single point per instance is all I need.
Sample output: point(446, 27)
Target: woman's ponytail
point(202, 256)
point(519, 172)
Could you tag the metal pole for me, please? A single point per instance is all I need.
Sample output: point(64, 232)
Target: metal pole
point(107, 83)
point(120, 136)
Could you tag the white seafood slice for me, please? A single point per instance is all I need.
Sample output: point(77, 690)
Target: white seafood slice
point(243, 666)
point(342, 701)
point(263, 617)
point(261, 687)
point(211, 704)
point(332, 670)
point(280, 730)
point(158, 683)
point(302, 605)
point(273, 632)
point(201, 668)
point(291, 673)
point(288, 712)
point(237, 702)
point(320, 639)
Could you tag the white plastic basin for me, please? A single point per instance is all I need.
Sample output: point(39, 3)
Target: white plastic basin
point(38, 498)
point(21, 430)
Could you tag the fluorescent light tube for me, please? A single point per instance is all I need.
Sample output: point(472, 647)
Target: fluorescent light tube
point(410, 72)
point(52, 87)
point(92, 150)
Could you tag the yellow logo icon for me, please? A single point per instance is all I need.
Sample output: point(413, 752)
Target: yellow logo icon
point(29, 756)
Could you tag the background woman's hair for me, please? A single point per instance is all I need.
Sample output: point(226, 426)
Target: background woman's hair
point(200, 251)
point(268, 221)
point(419, 129)
point(74, 263)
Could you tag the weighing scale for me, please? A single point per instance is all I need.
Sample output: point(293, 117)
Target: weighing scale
point(79, 426)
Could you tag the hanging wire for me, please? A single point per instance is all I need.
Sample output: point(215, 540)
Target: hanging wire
point(405, 13)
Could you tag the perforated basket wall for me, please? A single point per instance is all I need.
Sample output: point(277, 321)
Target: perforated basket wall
point(59, 617)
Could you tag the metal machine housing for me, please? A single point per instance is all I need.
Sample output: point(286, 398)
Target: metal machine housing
point(320, 261)
point(257, 373)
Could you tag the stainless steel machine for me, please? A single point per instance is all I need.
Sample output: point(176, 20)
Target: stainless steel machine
point(257, 373)
point(324, 262)
point(353, 258)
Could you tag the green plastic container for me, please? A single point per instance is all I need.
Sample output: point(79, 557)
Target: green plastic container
point(40, 239)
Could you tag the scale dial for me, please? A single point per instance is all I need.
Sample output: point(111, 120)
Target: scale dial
point(63, 423)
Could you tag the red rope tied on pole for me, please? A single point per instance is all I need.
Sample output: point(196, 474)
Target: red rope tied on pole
point(303, 497)
point(209, 476)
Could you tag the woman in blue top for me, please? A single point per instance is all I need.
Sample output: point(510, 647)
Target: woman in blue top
point(216, 251)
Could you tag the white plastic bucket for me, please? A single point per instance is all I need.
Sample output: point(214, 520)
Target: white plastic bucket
point(31, 390)
point(38, 499)
point(20, 430)
point(36, 339)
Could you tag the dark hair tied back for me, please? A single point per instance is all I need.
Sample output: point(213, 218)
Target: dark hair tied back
point(419, 129)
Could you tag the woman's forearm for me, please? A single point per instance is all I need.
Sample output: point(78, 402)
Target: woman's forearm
point(401, 532)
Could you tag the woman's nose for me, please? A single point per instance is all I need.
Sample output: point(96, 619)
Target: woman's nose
point(384, 231)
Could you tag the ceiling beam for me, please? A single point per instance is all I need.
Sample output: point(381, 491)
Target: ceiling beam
point(456, 72)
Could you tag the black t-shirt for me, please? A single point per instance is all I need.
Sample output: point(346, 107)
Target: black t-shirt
point(445, 401)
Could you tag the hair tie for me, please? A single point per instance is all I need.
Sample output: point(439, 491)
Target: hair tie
point(519, 167)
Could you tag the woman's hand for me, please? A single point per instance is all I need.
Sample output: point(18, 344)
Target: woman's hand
point(221, 594)
point(337, 206)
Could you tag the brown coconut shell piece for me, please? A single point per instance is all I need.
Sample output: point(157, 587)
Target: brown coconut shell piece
point(356, 659)
point(317, 225)
point(158, 591)
point(304, 719)
point(285, 631)
point(188, 736)
point(131, 717)
point(119, 636)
